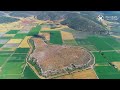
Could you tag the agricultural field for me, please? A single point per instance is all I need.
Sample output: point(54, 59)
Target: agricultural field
point(107, 72)
point(55, 37)
point(99, 58)
point(99, 43)
point(35, 31)
point(44, 49)
point(13, 64)
point(107, 64)
point(105, 49)
point(29, 74)
point(86, 43)
point(85, 74)
point(14, 51)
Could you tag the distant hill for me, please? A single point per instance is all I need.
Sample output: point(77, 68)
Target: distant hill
point(20, 14)
point(81, 23)
point(83, 20)
point(92, 15)
point(79, 20)
point(52, 15)
point(2, 14)
point(4, 19)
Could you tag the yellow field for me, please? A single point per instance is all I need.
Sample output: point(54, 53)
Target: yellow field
point(9, 49)
point(67, 35)
point(3, 31)
point(24, 43)
point(85, 74)
point(117, 64)
point(11, 26)
point(9, 35)
point(45, 28)
point(40, 21)
point(14, 41)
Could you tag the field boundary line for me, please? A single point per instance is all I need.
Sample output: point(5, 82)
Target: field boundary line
point(24, 68)
point(94, 65)
point(105, 50)
point(12, 74)
point(9, 56)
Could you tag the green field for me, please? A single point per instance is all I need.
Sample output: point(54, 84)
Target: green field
point(1, 45)
point(17, 58)
point(107, 72)
point(2, 60)
point(84, 41)
point(29, 74)
point(112, 56)
point(12, 32)
point(13, 68)
point(35, 30)
point(112, 42)
point(20, 36)
point(55, 37)
point(13, 65)
point(103, 71)
point(22, 50)
point(99, 43)
point(99, 59)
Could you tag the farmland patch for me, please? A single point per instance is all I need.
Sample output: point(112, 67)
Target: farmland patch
point(12, 32)
point(55, 37)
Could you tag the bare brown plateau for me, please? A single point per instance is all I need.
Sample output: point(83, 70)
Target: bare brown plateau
point(54, 59)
